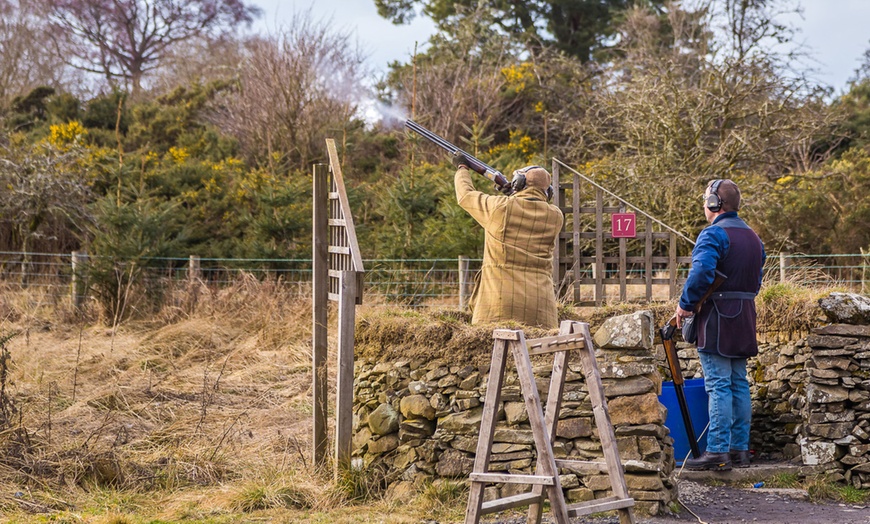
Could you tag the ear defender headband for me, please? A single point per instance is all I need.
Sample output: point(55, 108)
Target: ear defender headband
point(713, 202)
point(518, 183)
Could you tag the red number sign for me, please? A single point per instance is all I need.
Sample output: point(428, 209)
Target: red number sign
point(623, 225)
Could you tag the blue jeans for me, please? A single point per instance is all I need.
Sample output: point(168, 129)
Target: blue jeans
point(729, 405)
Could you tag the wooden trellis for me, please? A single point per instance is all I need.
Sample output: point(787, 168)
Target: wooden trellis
point(574, 267)
point(337, 275)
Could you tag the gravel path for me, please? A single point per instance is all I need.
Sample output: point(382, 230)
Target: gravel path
point(730, 505)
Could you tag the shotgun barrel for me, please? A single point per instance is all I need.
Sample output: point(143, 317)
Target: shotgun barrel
point(475, 164)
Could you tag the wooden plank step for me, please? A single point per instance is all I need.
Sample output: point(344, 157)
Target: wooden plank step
point(340, 250)
point(599, 505)
point(583, 467)
point(338, 222)
point(506, 334)
point(541, 346)
point(512, 479)
point(523, 499)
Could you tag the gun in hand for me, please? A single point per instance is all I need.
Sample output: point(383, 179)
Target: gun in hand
point(475, 164)
point(667, 333)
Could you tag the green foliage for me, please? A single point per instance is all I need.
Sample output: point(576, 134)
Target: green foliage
point(102, 113)
point(29, 110)
point(125, 236)
point(416, 216)
point(824, 210)
point(856, 106)
point(582, 29)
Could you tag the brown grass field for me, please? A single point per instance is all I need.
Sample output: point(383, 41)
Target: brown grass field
point(201, 414)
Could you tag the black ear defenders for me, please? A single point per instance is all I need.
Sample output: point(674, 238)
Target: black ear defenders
point(518, 183)
point(713, 202)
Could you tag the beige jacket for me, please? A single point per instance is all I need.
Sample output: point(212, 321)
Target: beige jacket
point(515, 282)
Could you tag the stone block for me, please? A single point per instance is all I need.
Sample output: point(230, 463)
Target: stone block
point(572, 428)
point(846, 308)
point(632, 331)
point(636, 410)
point(817, 452)
point(462, 423)
point(384, 420)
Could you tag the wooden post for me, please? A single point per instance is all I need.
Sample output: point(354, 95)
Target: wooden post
point(600, 290)
point(320, 289)
point(623, 265)
point(558, 252)
point(783, 267)
point(193, 270)
point(78, 288)
point(575, 233)
point(864, 266)
point(464, 285)
point(647, 258)
point(344, 382)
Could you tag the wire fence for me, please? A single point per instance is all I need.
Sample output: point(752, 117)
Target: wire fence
point(412, 282)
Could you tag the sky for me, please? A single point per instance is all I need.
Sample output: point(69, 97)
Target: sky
point(835, 32)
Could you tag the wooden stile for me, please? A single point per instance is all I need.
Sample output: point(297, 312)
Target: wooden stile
point(337, 275)
point(545, 481)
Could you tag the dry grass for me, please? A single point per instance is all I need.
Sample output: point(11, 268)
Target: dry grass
point(216, 395)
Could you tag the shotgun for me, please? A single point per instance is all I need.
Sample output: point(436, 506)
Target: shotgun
point(475, 164)
point(673, 359)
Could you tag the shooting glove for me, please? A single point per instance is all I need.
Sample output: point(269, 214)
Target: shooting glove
point(459, 159)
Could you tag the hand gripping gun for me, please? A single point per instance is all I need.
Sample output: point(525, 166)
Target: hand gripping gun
point(670, 346)
point(475, 164)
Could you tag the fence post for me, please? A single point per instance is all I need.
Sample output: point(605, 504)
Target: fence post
point(193, 270)
point(783, 266)
point(463, 282)
point(78, 289)
point(344, 378)
point(320, 290)
point(865, 263)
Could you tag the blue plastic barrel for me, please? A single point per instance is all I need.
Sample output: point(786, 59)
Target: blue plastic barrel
point(696, 398)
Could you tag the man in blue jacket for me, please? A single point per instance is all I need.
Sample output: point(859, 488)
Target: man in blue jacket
point(725, 324)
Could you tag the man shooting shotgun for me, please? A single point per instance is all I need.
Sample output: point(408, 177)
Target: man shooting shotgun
point(521, 226)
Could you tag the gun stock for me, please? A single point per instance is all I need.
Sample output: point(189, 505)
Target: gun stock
point(717, 281)
point(670, 346)
point(475, 164)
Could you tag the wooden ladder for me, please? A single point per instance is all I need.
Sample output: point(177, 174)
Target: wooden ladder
point(545, 481)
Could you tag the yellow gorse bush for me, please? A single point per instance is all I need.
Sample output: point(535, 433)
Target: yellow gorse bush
point(517, 77)
point(63, 136)
point(520, 144)
point(178, 154)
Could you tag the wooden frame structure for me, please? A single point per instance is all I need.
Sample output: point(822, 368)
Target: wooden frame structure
point(571, 264)
point(336, 275)
point(572, 336)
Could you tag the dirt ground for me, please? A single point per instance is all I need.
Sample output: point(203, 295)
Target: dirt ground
point(705, 504)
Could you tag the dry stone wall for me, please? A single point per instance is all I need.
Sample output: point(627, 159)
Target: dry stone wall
point(418, 419)
point(835, 436)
